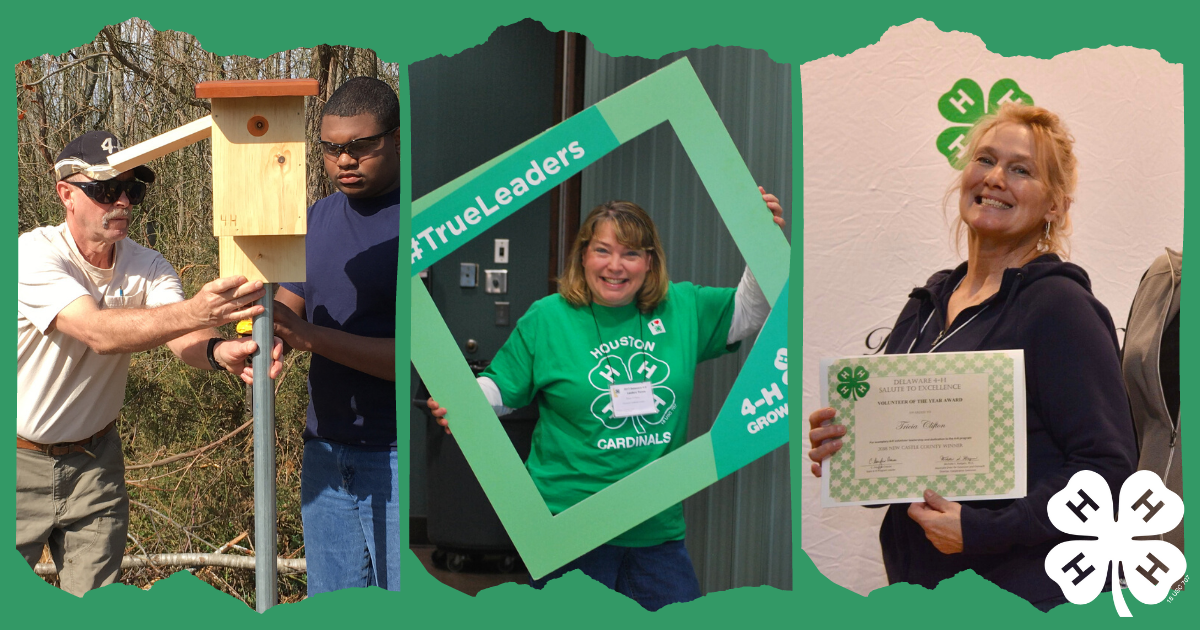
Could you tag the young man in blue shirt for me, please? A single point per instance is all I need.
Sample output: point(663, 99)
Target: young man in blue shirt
point(345, 315)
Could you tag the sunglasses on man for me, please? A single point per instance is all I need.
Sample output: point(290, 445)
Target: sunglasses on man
point(355, 148)
point(109, 191)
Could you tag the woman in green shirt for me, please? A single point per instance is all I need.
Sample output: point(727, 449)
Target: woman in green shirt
point(618, 325)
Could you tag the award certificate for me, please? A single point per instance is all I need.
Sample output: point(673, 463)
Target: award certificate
point(952, 422)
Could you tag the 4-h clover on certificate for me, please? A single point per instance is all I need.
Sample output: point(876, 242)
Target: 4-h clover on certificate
point(953, 422)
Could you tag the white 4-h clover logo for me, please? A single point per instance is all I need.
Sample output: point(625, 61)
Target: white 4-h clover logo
point(964, 104)
point(1146, 508)
point(642, 367)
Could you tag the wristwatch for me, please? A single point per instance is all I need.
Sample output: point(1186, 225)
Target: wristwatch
point(212, 360)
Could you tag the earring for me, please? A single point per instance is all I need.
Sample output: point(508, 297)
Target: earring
point(1047, 237)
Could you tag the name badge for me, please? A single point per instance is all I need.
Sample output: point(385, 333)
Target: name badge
point(632, 399)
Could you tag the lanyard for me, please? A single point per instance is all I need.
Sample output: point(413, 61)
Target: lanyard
point(600, 338)
point(940, 339)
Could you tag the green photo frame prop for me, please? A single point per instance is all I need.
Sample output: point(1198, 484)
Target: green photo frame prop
point(753, 420)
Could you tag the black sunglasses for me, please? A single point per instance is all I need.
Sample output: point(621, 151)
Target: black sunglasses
point(355, 148)
point(109, 191)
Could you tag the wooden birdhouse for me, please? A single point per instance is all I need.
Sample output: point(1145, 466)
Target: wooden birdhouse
point(258, 170)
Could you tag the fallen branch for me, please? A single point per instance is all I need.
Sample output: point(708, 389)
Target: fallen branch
point(186, 560)
point(140, 484)
point(233, 543)
point(223, 548)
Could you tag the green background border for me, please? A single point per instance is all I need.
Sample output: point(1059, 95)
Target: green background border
point(791, 33)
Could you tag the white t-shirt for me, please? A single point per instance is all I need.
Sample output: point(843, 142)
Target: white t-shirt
point(65, 391)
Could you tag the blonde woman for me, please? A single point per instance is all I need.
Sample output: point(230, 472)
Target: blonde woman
point(1013, 292)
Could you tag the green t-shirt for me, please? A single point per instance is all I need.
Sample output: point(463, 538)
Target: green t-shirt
point(566, 359)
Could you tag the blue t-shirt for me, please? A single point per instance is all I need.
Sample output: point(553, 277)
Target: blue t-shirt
point(351, 252)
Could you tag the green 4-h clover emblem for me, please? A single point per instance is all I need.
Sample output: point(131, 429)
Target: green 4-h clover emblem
point(852, 382)
point(964, 104)
point(1146, 508)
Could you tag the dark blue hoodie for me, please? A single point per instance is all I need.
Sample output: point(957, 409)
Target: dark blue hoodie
point(1077, 418)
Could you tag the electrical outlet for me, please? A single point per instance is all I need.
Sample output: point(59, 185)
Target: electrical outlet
point(501, 313)
point(501, 251)
point(495, 280)
point(468, 275)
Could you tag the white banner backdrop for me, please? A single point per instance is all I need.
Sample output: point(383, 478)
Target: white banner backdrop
point(877, 125)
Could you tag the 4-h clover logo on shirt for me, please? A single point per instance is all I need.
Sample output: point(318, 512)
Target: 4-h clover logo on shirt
point(852, 383)
point(1146, 508)
point(612, 370)
point(964, 104)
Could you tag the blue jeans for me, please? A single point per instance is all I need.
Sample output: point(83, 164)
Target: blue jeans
point(349, 501)
point(652, 576)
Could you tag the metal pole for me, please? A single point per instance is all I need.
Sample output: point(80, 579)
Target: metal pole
point(266, 579)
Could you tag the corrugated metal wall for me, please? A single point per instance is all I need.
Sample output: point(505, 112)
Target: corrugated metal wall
point(740, 529)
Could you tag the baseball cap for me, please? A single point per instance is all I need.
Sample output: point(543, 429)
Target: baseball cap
point(88, 154)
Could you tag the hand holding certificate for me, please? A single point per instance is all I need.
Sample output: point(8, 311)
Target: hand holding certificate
point(951, 422)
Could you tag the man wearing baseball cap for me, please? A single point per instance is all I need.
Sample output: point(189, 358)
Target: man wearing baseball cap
point(87, 298)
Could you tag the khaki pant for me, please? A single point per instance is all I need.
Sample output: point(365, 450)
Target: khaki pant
point(77, 505)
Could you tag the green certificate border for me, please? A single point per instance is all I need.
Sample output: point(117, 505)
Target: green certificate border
point(848, 381)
